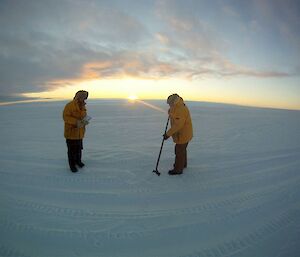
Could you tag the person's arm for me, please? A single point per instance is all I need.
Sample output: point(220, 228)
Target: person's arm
point(177, 124)
point(68, 118)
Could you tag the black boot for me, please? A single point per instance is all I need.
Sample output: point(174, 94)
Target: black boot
point(174, 172)
point(80, 164)
point(73, 169)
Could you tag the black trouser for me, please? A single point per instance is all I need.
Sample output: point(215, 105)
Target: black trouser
point(74, 151)
point(180, 157)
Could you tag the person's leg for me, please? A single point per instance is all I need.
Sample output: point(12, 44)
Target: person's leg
point(180, 158)
point(72, 151)
point(79, 153)
point(185, 157)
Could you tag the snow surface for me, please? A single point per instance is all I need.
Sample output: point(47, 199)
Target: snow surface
point(239, 196)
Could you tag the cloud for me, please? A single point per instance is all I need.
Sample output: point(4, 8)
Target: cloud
point(129, 64)
point(163, 39)
point(229, 69)
point(148, 66)
point(197, 48)
point(43, 43)
point(186, 31)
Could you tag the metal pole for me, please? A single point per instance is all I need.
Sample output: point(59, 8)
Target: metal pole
point(162, 143)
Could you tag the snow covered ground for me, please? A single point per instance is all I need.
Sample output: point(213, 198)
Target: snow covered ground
point(239, 196)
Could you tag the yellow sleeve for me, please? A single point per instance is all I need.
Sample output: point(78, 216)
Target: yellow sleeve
point(178, 120)
point(67, 116)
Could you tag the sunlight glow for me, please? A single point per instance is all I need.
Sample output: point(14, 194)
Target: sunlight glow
point(123, 88)
point(132, 98)
point(134, 89)
point(152, 106)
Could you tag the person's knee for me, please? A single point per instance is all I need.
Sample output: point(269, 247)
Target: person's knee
point(180, 149)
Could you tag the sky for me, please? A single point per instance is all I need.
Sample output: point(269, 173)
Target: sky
point(239, 52)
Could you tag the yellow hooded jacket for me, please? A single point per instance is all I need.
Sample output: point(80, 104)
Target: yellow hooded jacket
point(181, 123)
point(72, 113)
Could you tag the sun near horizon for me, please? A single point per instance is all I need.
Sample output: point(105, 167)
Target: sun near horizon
point(209, 90)
point(132, 98)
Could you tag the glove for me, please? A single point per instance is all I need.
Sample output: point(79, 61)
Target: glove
point(82, 123)
point(85, 121)
point(166, 137)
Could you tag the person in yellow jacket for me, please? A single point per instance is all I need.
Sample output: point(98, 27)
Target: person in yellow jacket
point(75, 118)
point(181, 131)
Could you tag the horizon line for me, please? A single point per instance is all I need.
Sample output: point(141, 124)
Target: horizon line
point(24, 100)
